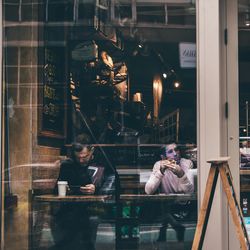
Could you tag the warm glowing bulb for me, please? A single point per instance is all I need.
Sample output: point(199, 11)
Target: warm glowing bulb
point(140, 46)
point(244, 130)
point(176, 84)
point(164, 75)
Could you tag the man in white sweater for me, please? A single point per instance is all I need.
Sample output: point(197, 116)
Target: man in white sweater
point(171, 174)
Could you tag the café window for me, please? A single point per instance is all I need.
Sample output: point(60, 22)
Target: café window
point(244, 105)
point(114, 97)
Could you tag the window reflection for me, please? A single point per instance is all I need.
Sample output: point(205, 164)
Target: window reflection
point(244, 97)
point(118, 77)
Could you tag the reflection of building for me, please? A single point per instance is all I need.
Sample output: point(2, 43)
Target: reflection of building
point(62, 30)
point(38, 38)
point(29, 27)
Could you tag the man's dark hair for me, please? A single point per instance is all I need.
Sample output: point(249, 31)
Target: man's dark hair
point(163, 149)
point(78, 147)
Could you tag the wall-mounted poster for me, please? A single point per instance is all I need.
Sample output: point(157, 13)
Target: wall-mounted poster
point(187, 55)
point(52, 94)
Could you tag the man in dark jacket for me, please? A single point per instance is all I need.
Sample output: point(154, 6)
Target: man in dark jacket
point(75, 170)
point(71, 225)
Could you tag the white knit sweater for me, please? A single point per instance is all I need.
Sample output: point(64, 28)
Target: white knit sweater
point(169, 182)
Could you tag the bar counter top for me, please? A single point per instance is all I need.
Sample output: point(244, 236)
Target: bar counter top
point(157, 197)
point(123, 197)
point(71, 198)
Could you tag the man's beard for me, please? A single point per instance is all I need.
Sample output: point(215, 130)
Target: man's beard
point(84, 164)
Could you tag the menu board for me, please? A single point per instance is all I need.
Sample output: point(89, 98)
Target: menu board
point(53, 93)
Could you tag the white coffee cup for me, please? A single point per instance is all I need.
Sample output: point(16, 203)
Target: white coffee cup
point(62, 188)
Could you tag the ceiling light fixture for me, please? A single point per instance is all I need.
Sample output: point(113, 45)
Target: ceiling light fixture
point(247, 19)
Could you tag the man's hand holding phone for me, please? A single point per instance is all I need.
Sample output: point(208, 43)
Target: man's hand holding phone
point(88, 189)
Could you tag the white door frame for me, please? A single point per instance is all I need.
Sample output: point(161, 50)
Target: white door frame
point(233, 106)
point(217, 86)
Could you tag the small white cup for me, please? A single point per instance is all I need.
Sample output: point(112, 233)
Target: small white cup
point(62, 188)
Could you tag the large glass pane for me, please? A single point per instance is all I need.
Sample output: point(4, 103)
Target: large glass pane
point(100, 128)
point(244, 98)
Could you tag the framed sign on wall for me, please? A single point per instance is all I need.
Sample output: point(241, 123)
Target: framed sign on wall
point(52, 94)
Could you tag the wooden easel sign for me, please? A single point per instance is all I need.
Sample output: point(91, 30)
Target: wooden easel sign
point(220, 166)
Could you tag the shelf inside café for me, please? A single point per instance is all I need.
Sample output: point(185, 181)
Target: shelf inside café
point(244, 171)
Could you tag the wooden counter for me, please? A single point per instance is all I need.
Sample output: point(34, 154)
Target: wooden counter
point(123, 197)
point(244, 180)
point(72, 198)
point(244, 171)
point(158, 197)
